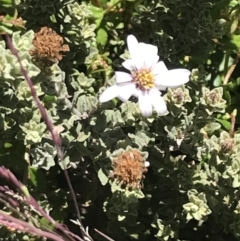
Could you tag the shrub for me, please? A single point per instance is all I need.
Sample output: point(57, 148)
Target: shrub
point(172, 177)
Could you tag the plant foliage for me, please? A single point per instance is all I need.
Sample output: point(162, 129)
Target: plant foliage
point(171, 177)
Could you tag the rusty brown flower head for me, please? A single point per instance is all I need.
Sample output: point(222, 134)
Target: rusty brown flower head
point(48, 45)
point(129, 169)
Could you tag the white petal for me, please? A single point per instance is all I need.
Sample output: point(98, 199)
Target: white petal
point(146, 56)
point(142, 55)
point(136, 92)
point(148, 49)
point(109, 93)
point(157, 101)
point(132, 45)
point(129, 64)
point(160, 69)
point(126, 91)
point(145, 104)
point(160, 87)
point(122, 77)
point(161, 75)
point(150, 61)
point(176, 77)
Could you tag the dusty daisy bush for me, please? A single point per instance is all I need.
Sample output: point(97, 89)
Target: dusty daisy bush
point(48, 45)
point(121, 82)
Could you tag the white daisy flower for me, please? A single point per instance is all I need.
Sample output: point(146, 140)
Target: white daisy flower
point(148, 76)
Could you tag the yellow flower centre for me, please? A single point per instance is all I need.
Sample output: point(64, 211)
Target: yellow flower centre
point(143, 78)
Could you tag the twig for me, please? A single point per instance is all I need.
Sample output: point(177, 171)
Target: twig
point(6, 174)
point(10, 196)
point(233, 122)
point(104, 235)
point(217, 42)
point(14, 210)
point(231, 69)
point(27, 159)
point(55, 137)
point(74, 235)
point(20, 225)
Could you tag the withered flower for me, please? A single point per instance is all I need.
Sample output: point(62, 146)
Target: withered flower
point(12, 24)
point(227, 145)
point(129, 169)
point(48, 45)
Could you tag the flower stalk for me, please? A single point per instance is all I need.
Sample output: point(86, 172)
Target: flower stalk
point(58, 145)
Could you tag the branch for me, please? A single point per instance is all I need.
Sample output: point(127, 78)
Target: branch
point(55, 137)
point(22, 226)
point(231, 69)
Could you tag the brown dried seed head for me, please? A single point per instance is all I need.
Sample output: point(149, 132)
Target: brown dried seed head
point(129, 169)
point(227, 145)
point(48, 45)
